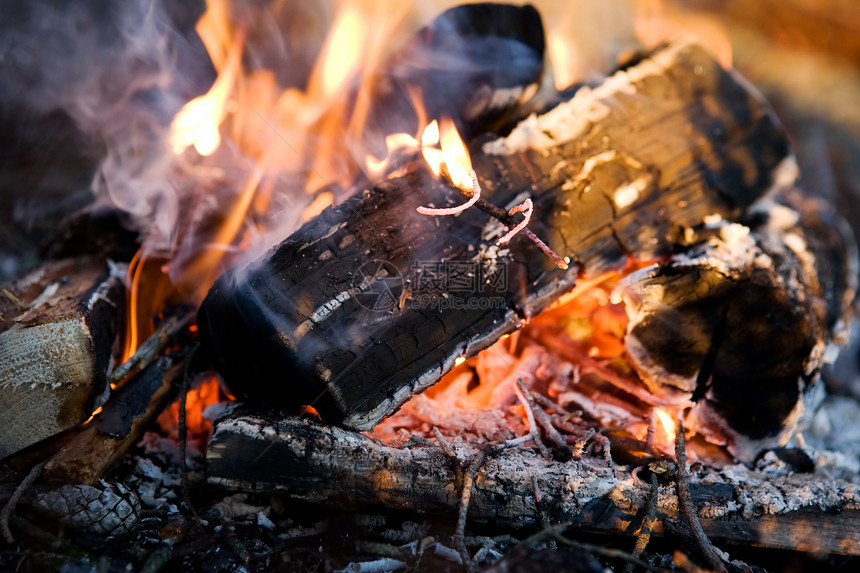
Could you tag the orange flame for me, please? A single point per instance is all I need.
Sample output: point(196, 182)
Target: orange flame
point(275, 134)
point(667, 422)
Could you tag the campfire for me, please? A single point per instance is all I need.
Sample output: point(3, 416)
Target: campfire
point(461, 283)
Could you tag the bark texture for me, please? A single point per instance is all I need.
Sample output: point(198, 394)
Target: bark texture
point(308, 461)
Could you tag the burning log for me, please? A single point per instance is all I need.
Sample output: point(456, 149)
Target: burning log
point(372, 302)
point(308, 461)
point(58, 326)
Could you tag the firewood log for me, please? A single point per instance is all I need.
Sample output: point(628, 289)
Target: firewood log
point(372, 301)
point(58, 326)
point(307, 461)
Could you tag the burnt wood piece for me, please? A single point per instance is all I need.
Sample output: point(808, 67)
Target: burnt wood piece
point(58, 325)
point(372, 302)
point(477, 63)
point(93, 452)
point(741, 323)
point(308, 461)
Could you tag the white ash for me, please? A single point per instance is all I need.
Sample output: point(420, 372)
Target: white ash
point(236, 507)
point(156, 476)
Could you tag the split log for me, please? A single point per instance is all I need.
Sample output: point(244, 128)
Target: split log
point(308, 461)
point(372, 302)
point(58, 326)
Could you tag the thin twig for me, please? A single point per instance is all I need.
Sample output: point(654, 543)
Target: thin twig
point(465, 496)
point(548, 403)
point(545, 422)
point(445, 444)
point(544, 520)
point(509, 220)
point(526, 207)
point(450, 452)
point(651, 435)
point(469, 477)
point(605, 444)
point(476, 194)
point(644, 534)
point(688, 508)
point(147, 352)
point(522, 394)
point(561, 262)
point(9, 508)
point(556, 531)
point(183, 438)
point(579, 445)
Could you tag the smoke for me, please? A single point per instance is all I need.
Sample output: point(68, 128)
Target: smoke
point(119, 70)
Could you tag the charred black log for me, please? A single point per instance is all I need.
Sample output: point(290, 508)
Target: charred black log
point(372, 302)
point(477, 63)
point(742, 323)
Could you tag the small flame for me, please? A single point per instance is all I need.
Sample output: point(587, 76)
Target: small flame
point(456, 156)
point(440, 144)
point(197, 123)
point(667, 422)
point(95, 413)
point(197, 400)
point(564, 58)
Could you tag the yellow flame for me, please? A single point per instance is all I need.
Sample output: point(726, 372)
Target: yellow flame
point(456, 155)
point(342, 54)
point(452, 152)
point(95, 413)
point(667, 422)
point(317, 206)
point(564, 58)
point(197, 123)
